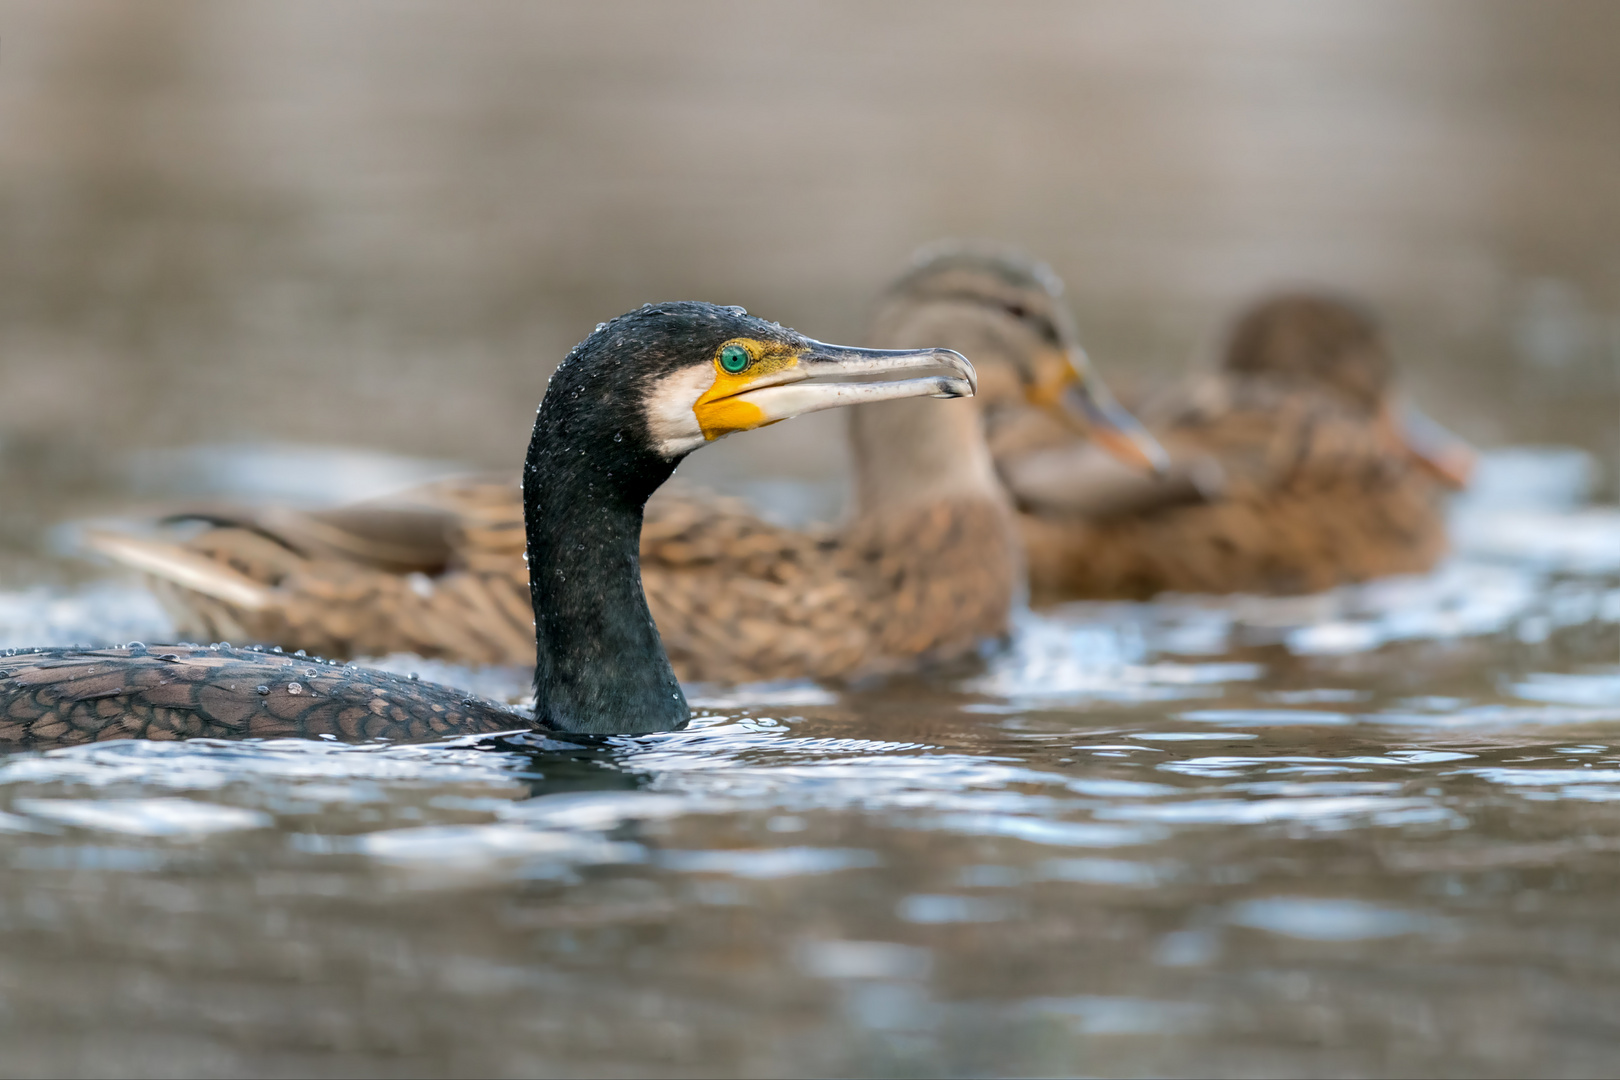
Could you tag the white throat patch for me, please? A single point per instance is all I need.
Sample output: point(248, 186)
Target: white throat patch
point(669, 402)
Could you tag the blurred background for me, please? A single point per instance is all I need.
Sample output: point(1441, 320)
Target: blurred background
point(379, 225)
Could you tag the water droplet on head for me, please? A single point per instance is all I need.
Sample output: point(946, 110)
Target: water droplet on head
point(618, 436)
point(136, 645)
point(300, 652)
point(275, 648)
point(261, 689)
point(415, 677)
point(295, 688)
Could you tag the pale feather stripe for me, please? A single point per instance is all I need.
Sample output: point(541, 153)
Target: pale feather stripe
point(196, 572)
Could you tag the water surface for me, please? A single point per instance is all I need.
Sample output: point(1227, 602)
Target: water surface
point(1368, 832)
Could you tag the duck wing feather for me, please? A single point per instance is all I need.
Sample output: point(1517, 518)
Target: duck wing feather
point(736, 598)
point(1297, 493)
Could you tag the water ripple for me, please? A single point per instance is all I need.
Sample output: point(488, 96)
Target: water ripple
point(145, 817)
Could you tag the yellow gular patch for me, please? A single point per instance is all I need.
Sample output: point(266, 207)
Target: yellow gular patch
point(721, 410)
point(1053, 374)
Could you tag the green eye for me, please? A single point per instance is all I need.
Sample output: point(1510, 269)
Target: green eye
point(734, 358)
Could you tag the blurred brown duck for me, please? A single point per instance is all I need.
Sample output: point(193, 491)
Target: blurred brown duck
point(1295, 468)
point(925, 571)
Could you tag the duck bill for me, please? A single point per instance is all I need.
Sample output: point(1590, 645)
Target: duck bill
point(1085, 403)
point(832, 376)
point(1434, 449)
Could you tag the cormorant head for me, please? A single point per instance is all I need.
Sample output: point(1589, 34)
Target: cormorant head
point(1334, 343)
point(668, 378)
point(1006, 311)
point(652, 386)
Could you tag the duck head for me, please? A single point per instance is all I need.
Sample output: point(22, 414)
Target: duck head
point(1006, 311)
point(1330, 342)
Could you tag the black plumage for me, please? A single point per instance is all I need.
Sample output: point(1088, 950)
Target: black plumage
point(591, 467)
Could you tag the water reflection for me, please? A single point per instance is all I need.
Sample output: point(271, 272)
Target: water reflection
point(759, 882)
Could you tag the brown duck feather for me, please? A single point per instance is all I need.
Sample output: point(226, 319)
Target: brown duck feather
point(1299, 495)
point(738, 599)
point(735, 598)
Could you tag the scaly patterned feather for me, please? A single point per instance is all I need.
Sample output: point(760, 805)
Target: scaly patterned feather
point(61, 697)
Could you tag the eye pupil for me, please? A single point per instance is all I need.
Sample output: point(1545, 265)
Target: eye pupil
point(734, 358)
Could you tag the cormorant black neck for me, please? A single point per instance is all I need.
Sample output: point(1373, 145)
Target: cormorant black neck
point(600, 665)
